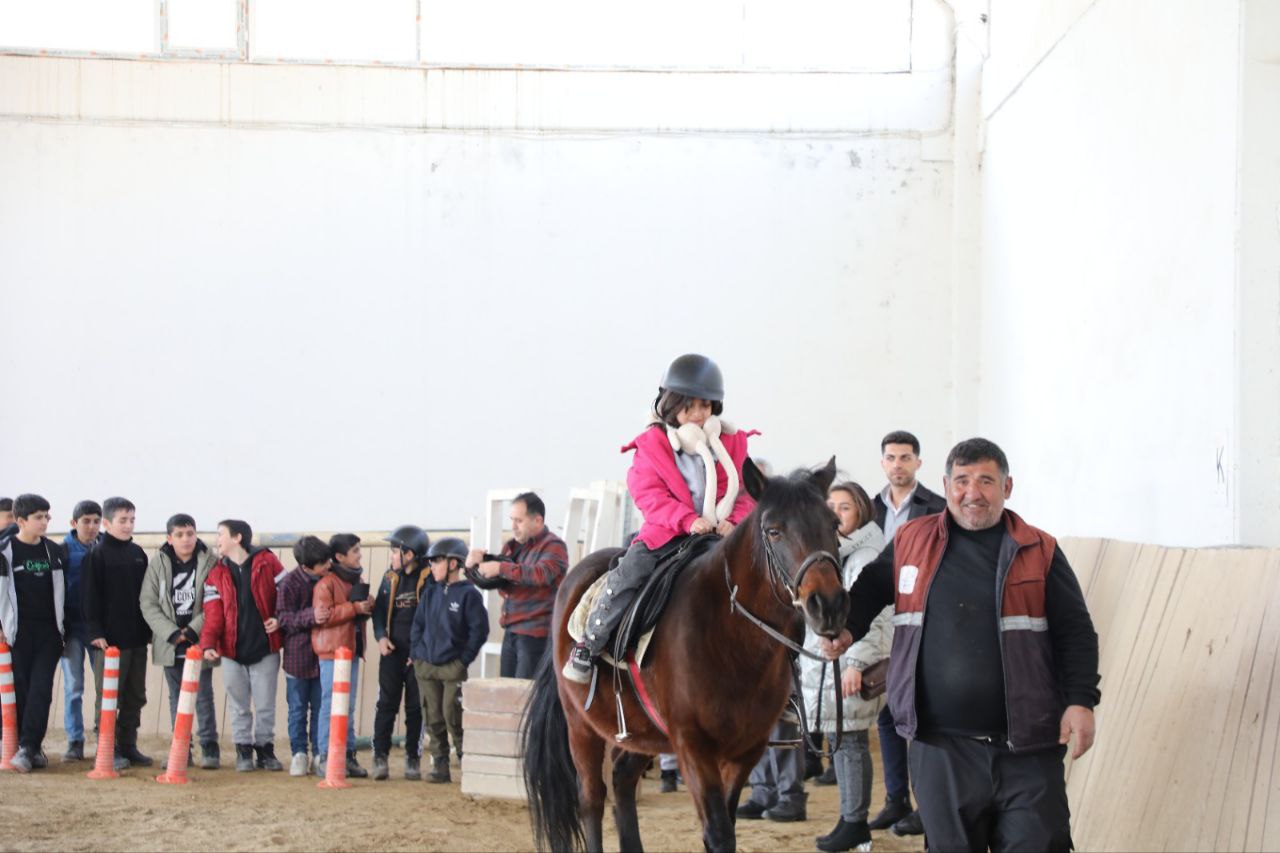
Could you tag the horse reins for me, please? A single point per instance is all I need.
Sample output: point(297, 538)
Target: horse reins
point(792, 585)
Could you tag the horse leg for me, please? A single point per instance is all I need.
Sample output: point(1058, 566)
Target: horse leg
point(628, 767)
point(588, 756)
point(709, 795)
point(733, 775)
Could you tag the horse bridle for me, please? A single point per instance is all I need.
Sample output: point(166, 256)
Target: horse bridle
point(791, 583)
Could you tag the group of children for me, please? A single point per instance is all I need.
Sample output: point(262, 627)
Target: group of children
point(246, 614)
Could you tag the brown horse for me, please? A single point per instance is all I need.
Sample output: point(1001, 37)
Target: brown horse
point(718, 681)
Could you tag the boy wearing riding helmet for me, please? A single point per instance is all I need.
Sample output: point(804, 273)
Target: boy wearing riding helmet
point(685, 478)
point(393, 610)
point(449, 627)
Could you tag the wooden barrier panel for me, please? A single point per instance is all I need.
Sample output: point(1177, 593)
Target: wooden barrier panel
point(1187, 729)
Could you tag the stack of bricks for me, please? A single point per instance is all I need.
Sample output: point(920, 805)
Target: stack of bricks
point(491, 710)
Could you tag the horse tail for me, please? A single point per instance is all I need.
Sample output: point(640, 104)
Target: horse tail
point(550, 776)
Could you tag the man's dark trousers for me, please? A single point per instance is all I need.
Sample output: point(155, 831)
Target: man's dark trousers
point(396, 679)
point(521, 655)
point(893, 752)
point(975, 794)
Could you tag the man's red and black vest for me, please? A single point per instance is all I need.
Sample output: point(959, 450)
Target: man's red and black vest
point(1033, 701)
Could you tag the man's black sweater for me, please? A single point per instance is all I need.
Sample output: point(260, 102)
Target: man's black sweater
point(110, 583)
point(959, 672)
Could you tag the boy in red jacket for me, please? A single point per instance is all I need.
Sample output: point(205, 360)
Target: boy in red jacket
point(240, 626)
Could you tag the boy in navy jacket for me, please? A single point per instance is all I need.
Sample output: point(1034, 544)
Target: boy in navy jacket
point(449, 627)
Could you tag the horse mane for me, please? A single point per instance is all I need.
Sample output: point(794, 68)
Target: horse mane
point(787, 495)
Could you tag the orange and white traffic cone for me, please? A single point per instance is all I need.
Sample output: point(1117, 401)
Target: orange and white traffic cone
point(335, 773)
point(104, 761)
point(9, 699)
point(180, 750)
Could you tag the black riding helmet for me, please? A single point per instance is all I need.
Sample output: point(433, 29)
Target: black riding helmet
point(450, 546)
point(410, 537)
point(695, 376)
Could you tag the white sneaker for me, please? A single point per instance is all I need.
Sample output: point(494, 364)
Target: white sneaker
point(298, 766)
point(318, 765)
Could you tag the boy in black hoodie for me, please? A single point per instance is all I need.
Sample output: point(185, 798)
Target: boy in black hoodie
point(110, 585)
point(449, 627)
point(32, 587)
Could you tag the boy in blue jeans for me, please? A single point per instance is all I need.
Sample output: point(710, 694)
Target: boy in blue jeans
point(301, 665)
point(86, 519)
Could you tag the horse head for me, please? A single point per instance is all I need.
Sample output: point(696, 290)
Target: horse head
point(798, 533)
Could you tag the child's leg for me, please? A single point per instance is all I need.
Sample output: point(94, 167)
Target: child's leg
point(206, 712)
point(314, 693)
point(173, 680)
point(412, 713)
point(351, 704)
point(620, 588)
point(390, 688)
point(39, 693)
point(73, 690)
point(452, 704)
point(263, 677)
point(326, 703)
point(235, 678)
point(431, 688)
point(297, 695)
point(133, 696)
point(853, 775)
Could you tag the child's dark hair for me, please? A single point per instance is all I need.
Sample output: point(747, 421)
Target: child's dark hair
point(117, 504)
point(179, 520)
point(311, 551)
point(86, 508)
point(6, 504)
point(668, 404)
point(341, 543)
point(236, 527)
point(24, 505)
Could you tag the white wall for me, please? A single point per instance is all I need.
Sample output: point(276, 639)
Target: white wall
point(1109, 270)
point(321, 298)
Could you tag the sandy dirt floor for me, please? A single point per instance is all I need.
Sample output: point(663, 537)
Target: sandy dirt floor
point(60, 809)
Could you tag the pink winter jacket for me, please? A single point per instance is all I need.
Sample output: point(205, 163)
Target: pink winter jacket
point(663, 496)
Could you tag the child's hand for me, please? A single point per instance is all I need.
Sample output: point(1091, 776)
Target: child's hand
point(210, 654)
point(100, 643)
point(271, 625)
point(364, 607)
point(724, 528)
point(321, 614)
point(700, 526)
point(386, 646)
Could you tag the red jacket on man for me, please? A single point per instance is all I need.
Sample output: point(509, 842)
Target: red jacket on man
point(221, 608)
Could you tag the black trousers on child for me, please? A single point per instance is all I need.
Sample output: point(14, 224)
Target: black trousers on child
point(36, 651)
point(977, 795)
point(396, 680)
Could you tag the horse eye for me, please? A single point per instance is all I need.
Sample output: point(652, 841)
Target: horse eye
point(774, 533)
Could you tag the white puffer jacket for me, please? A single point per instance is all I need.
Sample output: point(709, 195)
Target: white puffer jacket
point(856, 550)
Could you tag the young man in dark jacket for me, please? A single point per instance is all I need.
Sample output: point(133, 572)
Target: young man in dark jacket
point(32, 587)
point(110, 586)
point(393, 611)
point(449, 627)
point(86, 519)
point(241, 628)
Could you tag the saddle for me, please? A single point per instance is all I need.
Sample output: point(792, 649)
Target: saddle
point(634, 631)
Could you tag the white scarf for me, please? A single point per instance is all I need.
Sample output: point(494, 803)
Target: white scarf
point(705, 443)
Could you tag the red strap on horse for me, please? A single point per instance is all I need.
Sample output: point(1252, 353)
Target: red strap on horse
point(645, 702)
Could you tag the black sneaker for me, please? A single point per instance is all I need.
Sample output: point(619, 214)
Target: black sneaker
point(39, 760)
point(244, 758)
point(267, 757)
point(827, 776)
point(380, 769)
point(75, 751)
point(909, 825)
point(354, 770)
point(894, 810)
point(579, 665)
point(211, 756)
point(439, 771)
point(792, 811)
point(669, 781)
point(751, 810)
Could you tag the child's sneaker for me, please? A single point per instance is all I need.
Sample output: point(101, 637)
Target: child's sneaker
point(579, 665)
point(21, 761)
point(298, 766)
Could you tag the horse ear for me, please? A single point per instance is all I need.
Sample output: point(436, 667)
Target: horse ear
point(825, 476)
point(753, 479)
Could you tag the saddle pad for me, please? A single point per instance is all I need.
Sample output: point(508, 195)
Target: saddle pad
point(577, 626)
